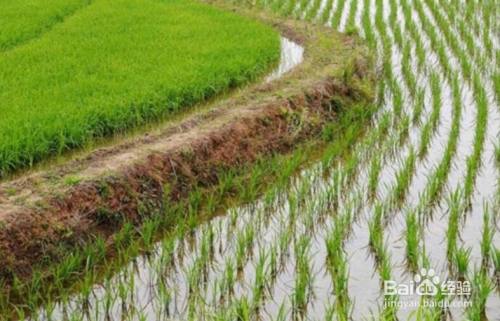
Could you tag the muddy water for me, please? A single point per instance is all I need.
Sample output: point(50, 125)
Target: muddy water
point(203, 279)
point(292, 54)
point(344, 16)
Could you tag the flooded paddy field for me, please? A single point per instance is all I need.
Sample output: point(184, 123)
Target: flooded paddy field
point(427, 192)
point(415, 201)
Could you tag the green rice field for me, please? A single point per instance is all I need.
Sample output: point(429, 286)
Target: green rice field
point(413, 199)
point(73, 71)
point(23, 21)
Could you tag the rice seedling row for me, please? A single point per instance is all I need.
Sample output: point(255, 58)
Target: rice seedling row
point(325, 12)
point(337, 13)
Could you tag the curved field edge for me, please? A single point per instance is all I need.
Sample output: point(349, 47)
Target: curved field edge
point(100, 257)
point(23, 21)
point(47, 215)
point(117, 65)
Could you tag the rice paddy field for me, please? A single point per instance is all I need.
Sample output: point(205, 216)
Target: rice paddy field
point(416, 198)
point(75, 71)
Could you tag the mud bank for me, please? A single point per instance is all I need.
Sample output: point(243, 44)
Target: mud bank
point(44, 213)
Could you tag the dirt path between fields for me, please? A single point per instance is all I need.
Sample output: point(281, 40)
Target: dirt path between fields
point(57, 208)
